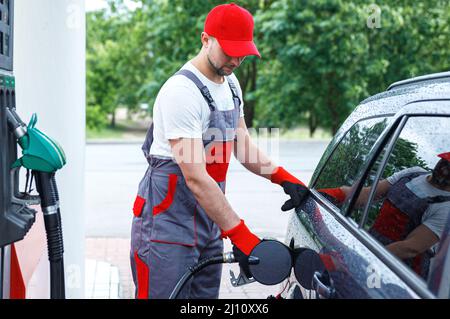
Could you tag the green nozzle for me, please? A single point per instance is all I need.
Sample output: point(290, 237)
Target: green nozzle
point(40, 152)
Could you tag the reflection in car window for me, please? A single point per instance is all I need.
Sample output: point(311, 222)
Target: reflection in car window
point(439, 276)
point(411, 203)
point(348, 158)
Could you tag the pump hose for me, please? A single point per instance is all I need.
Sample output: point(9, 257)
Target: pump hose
point(216, 259)
point(48, 192)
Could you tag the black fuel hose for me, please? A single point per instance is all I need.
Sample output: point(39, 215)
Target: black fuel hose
point(216, 259)
point(213, 260)
point(48, 192)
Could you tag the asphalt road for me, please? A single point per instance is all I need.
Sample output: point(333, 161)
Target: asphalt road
point(113, 172)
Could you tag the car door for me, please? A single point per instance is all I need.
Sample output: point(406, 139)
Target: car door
point(354, 264)
point(405, 182)
point(439, 280)
point(348, 268)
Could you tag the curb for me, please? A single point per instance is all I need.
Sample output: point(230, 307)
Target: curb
point(112, 142)
point(141, 141)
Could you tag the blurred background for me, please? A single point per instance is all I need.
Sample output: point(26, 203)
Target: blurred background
point(319, 59)
point(91, 70)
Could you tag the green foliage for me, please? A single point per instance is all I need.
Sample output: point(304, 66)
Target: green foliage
point(346, 162)
point(345, 166)
point(95, 117)
point(319, 58)
point(324, 58)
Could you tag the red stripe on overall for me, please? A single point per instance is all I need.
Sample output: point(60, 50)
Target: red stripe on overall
point(218, 159)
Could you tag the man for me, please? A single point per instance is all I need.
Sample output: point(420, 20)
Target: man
point(414, 212)
point(181, 213)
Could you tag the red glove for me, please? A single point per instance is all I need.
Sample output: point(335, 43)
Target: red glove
point(291, 186)
point(280, 175)
point(243, 243)
point(336, 193)
point(242, 238)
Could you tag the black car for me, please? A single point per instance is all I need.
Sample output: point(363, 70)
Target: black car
point(376, 224)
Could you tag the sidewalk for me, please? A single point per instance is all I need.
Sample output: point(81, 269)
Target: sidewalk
point(108, 274)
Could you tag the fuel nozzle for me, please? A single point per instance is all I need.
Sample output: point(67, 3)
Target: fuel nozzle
point(228, 258)
point(15, 124)
point(242, 278)
point(40, 152)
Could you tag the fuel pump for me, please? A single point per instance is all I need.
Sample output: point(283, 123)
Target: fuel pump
point(41, 158)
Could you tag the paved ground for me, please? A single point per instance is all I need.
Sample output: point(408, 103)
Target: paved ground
point(108, 273)
point(113, 172)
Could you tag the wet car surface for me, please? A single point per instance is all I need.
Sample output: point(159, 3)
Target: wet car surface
point(359, 245)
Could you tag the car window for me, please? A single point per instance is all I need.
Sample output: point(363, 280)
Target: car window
point(409, 209)
point(439, 277)
point(347, 160)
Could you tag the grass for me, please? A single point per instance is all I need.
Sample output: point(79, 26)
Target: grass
point(302, 133)
point(127, 130)
point(299, 133)
point(124, 130)
point(105, 133)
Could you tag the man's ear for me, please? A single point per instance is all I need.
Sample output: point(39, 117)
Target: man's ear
point(206, 40)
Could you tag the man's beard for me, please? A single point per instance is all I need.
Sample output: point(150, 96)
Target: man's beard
point(219, 71)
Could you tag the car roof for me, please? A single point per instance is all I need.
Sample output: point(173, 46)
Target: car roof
point(429, 87)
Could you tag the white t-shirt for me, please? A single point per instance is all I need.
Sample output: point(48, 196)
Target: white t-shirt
point(180, 110)
point(436, 215)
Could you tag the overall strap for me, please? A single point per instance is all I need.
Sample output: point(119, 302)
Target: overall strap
point(411, 176)
point(206, 95)
point(234, 91)
point(203, 88)
point(148, 141)
point(429, 200)
point(407, 201)
point(403, 181)
point(438, 199)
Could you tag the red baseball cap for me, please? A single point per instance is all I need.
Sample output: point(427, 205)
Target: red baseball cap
point(232, 26)
point(445, 156)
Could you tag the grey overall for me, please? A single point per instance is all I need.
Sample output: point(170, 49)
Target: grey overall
point(391, 226)
point(170, 230)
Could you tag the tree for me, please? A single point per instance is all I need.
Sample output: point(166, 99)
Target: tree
point(323, 59)
point(174, 37)
point(103, 79)
point(319, 58)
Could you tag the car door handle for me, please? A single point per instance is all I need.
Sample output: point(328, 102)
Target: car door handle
point(322, 285)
